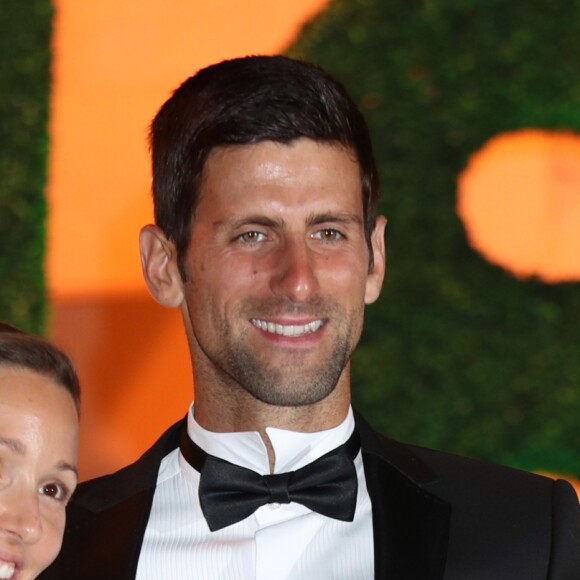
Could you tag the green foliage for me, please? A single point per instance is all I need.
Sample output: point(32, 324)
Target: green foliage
point(458, 354)
point(24, 93)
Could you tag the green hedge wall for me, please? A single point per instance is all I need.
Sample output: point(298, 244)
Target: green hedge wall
point(25, 29)
point(458, 354)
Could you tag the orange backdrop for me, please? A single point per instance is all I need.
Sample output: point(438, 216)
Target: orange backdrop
point(115, 62)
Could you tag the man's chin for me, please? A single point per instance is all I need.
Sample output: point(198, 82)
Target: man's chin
point(299, 392)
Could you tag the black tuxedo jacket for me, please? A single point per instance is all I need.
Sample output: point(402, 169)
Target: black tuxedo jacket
point(435, 517)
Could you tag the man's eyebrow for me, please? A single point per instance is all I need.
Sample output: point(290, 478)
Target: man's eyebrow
point(315, 219)
point(14, 445)
point(256, 219)
point(337, 218)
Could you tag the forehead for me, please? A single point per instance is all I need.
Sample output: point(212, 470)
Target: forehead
point(25, 390)
point(38, 412)
point(301, 172)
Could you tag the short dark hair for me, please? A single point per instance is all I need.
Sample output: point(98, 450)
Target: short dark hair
point(244, 101)
point(26, 351)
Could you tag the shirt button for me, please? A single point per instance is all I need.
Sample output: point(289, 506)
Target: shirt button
point(275, 506)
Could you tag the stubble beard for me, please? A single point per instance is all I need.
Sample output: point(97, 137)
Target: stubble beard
point(292, 382)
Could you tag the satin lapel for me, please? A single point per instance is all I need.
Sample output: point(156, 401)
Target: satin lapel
point(410, 525)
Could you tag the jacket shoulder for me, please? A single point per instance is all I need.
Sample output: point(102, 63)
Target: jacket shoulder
point(504, 522)
point(513, 515)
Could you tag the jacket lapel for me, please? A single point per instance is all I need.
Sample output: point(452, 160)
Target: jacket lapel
point(410, 525)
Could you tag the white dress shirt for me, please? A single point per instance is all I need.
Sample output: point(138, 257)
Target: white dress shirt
point(277, 542)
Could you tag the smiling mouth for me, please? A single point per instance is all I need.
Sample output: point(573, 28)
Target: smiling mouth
point(288, 330)
point(7, 570)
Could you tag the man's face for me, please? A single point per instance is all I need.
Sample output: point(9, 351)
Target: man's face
point(278, 271)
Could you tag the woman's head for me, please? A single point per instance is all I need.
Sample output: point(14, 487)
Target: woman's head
point(28, 352)
point(39, 421)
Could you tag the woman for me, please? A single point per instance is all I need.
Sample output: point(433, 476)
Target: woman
point(39, 422)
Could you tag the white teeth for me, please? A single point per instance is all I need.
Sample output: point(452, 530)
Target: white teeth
point(288, 330)
point(7, 571)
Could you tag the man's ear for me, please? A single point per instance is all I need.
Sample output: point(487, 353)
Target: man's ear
point(160, 268)
point(377, 271)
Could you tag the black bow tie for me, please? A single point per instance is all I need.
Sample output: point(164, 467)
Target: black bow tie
point(229, 493)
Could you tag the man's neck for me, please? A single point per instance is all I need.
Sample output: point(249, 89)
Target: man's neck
point(278, 447)
point(252, 415)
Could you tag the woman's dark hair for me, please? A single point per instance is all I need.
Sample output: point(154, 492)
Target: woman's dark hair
point(26, 351)
point(245, 101)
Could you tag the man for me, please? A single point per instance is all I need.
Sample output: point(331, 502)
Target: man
point(265, 192)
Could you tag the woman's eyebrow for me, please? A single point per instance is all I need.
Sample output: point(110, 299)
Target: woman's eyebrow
point(65, 466)
point(14, 445)
point(19, 448)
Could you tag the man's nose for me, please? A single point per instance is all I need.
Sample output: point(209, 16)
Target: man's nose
point(295, 275)
point(20, 515)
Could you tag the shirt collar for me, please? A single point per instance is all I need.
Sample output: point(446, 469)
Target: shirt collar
point(292, 449)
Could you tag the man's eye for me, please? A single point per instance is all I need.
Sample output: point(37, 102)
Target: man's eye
point(55, 490)
point(328, 235)
point(252, 237)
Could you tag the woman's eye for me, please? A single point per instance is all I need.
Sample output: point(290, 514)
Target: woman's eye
point(56, 491)
point(252, 237)
point(328, 235)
